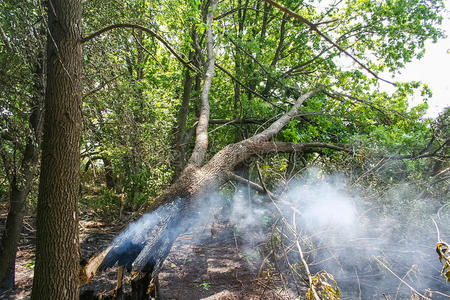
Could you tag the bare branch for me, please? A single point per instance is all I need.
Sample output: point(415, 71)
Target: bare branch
point(201, 139)
point(284, 120)
point(401, 280)
point(313, 27)
point(274, 147)
point(251, 184)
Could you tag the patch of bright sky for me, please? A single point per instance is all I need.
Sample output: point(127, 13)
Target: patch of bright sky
point(433, 69)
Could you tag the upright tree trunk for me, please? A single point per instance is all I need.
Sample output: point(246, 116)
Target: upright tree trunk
point(21, 182)
point(180, 139)
point(11, 235)
point(110, 179)
point(57, 245)
point(19, 190)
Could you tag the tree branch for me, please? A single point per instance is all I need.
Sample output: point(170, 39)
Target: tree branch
point(422, 153)
point(313, 27)
point(5, 39)
point(274, 78)
point(95, 90)
point(275, 147)
point(201, 138)
point(238, 121)
point(145, 29)
point(284, 120)
point(251, 184)
point(383, 110)
point(247, 88)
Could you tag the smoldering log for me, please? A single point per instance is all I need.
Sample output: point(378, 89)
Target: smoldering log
point(145, 244)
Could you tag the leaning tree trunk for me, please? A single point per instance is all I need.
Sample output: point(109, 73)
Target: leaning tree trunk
point(57, 244)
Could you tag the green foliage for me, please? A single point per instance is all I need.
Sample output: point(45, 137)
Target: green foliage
point(30, 265)
point(133, 85)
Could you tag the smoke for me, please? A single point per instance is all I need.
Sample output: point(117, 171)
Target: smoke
point(362, 239)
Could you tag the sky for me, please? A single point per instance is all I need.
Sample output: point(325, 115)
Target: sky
point(433, 69)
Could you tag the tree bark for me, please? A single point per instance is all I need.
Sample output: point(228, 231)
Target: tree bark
point(19, 190)
point(10, 238)
point(21, 182)
point(110, 179)
point(57, 244)
point(180, 135)
point(201, 138)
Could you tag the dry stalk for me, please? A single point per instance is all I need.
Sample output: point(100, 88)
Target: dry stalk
point(398, 277)
point(400, 284)
point(305, 264)
point(293, 229)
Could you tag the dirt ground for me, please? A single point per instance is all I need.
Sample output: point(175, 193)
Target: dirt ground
point(204, 263)
point(94, 235)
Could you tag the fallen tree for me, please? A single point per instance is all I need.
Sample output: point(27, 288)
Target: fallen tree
point(143, 253)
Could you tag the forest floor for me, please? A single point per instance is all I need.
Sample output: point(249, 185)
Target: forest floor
point(204, 263)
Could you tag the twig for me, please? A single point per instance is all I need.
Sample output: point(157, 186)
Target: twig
point(359, 285)
point(400, 284)
point(439, 293)
point(293, 229)
point(404, 282)
point(305, 264)
point(437, 230)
